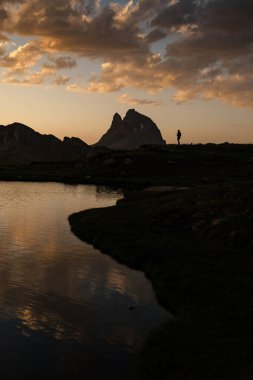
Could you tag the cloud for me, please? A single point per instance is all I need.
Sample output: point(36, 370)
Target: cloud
point(213, 48)
point(59, 63)
point(34, 78)
point(80, 27)
point(76, 87)
point(155, 35)
point(61, 80)
point(116, 75)
point(22, 58)
point(208, 55)
point(24, 65)
point(3, 47)
point(126, 98)
point(3, 38)
point(209, 48)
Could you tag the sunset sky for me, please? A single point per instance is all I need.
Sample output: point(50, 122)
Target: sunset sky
point(66, 66)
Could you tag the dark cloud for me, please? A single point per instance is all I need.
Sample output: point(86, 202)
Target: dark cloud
point(3, 14)
point(3, 37)
point(155, 35)
point(212, 49)
point(72, 26)
point(177, 14)
point(61, 80)
point(59, 63)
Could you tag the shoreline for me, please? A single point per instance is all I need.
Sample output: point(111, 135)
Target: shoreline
point(197, 257)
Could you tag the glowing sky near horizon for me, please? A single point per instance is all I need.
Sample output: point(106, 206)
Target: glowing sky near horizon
point(67, 66)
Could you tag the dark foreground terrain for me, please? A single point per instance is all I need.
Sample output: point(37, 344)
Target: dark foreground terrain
point(186, 221)
point(149, 165)
point(188, 225)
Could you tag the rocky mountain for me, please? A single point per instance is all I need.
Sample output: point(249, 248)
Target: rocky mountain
point(131, 132)
point(21, 144)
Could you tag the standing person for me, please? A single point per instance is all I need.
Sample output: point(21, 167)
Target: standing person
point(178, 136)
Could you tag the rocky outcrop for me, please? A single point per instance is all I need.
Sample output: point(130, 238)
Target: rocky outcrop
point(75, 142)
point(21, 144)
point(131, 132)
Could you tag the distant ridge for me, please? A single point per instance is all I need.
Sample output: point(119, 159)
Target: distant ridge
point(21, 144)
point(131, 132)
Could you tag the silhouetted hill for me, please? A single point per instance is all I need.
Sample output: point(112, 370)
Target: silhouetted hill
point(21, 144)
point(131, 132)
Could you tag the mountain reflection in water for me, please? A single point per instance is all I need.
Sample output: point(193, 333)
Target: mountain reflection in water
point(64, 306)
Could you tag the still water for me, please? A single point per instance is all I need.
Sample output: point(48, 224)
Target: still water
point(64, 306)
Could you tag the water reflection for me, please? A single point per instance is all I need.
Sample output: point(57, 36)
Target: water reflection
point(60, 297)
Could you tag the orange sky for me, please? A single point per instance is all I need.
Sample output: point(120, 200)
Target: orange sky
point(67, 66)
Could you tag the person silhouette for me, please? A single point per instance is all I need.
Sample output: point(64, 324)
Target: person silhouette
point(178, 136)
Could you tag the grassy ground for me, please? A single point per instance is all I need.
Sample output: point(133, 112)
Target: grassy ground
point(195, 244)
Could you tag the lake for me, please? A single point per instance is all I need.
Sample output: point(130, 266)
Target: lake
point(67, 311)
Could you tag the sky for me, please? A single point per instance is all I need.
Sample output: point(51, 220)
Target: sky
point(66, 66)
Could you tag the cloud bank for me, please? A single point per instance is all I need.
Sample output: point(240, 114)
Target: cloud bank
point(196, 48)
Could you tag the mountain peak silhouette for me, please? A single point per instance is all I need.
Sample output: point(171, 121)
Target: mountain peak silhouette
point(21, 144)
point(133, 131)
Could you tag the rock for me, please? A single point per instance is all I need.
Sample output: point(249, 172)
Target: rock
point(196, 226)
point(97, 151)
point(131, 308)
point(109, 161)
point(233, 234)
point(75, 142)
point(199, 215)
point(131, 132)
point(128, 161)
point(217, 222)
